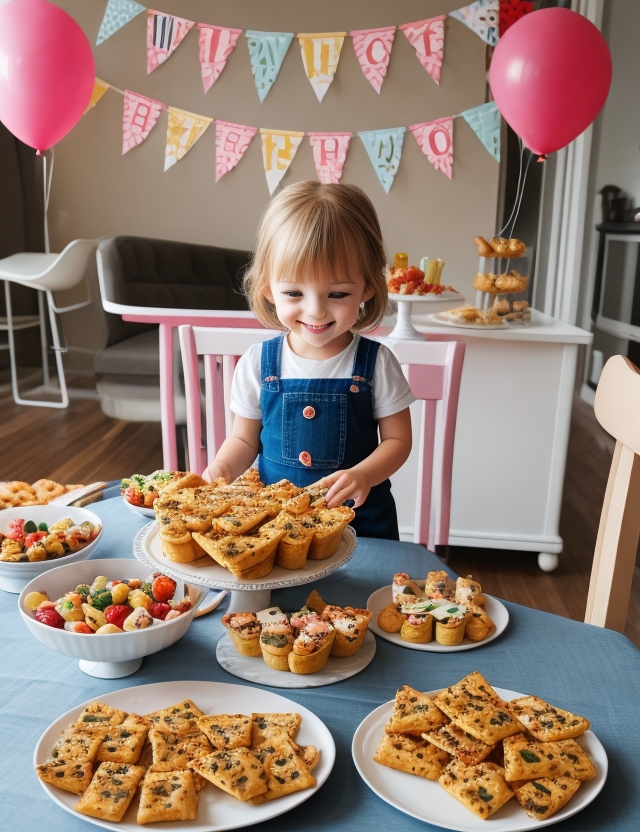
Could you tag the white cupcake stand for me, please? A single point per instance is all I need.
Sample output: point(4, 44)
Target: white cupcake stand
point(404, 329)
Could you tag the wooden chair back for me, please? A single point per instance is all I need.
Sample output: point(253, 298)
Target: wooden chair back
point(433, 370)
point(617, 408)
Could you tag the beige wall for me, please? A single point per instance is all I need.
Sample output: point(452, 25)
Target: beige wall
point(97, 191)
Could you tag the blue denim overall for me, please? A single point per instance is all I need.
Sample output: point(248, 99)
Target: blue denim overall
point(314, 427)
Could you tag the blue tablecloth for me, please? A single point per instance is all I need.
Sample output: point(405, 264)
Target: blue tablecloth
point(588, 670)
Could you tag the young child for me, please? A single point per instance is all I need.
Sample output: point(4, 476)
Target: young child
point(321, 402)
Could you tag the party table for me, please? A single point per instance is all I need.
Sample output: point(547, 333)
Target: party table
point(588, 670)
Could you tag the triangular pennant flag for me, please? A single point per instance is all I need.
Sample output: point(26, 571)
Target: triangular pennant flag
point(278, 149)
point(373, 49)
point(183, 131)
point(329, 153)
point(482, 17)
point(266, 51)
point(511, 11)
point(99, 89)
point(427, 37)
point(231, 142)
point(165, 33)
point(485, 123)
point(435, 139)
point(320, 56)
point(216, 44)
point(138, 118)
point(117, 14)
point(384, 148)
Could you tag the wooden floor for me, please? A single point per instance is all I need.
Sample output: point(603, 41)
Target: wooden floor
point(82, 445)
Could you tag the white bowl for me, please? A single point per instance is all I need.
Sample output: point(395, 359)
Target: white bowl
point(15, 576)
point(113, 655)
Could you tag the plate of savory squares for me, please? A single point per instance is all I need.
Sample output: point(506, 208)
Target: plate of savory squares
point(318, 645)
point(200, 756)
point(525, 763)
point(437, 615)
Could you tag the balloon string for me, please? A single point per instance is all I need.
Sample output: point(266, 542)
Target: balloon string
point(47, 176)
point(517, 207)
point(515, 204)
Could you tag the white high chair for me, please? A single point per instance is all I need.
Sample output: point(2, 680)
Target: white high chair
point(48, 273)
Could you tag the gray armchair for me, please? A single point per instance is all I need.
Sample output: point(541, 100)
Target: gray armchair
point(137, 272)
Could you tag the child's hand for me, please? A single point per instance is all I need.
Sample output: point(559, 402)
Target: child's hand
point(215, 470)
point(350, 484)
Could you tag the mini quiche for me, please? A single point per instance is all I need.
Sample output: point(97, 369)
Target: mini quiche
point(111, 791)
point(234, 770)
point(166, 796)
point(545, 722)
point(411, 754)
point(414, 712)
point(225, 731)
point(70, 775)
point(544, 797)
point(459, 744)
point(482, 788)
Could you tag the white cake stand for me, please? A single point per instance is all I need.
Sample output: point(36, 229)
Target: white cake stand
point(246, 596)
point(404, 329)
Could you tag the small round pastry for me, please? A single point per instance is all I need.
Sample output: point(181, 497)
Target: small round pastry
point(484, 247)
point(390, 619)
point(16, 493)
point(418, 629)
point(485, 282)
point(520, 305)
point(502, 307)
point(47, 490)
point(512, 281)
point(244, 632)
point(516, 249)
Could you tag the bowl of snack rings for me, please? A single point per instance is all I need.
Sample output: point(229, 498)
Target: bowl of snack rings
point(37, 538)
point(108, 613)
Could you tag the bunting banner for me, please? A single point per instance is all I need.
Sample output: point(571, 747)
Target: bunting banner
point(165, 33)
point(385, 149)
point(320, 56)
point(485, 123)
point(373, 50)
point(482, 17)
point(278, 149)
point(231, 142)
point(138, 118)
point(511, 11)
point(427, 38)
point(329, 153)
point(266, 51)
point(99, 89)
point(435, 139)
point(117, 14)
point(183, 131)
point(216, 44)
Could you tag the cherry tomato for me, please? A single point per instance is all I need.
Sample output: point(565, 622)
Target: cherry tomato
point(415, 274)
point(159, 610)
point(50, 617)
point(116, 614)
point(133, 496)
point(163, 587)
point(33, 537)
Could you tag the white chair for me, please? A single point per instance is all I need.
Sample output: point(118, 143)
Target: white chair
point(47, 273)
point(434, 369)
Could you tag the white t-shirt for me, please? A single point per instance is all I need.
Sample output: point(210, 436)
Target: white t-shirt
point(391, 392)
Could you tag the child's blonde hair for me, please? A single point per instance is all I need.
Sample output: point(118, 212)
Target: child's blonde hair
point(310, 230)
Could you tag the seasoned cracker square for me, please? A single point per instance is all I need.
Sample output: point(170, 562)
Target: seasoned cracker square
point(166, 796)
point(111, 791)
point(411, 754)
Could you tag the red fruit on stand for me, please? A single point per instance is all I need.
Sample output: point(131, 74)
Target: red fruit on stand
point(50, 617)
point(162, 587)
point(159, 610)
point(116, 614)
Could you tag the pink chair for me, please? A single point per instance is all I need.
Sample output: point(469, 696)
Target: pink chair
point(434, 369)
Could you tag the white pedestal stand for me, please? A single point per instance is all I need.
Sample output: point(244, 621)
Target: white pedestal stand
point(404, 329)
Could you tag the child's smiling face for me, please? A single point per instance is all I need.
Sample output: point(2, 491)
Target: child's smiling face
point(319, 313)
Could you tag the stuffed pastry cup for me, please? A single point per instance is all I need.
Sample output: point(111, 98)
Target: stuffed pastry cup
point(418, 628)
point(479, 625)
point(244, 631)
point(350, 625)
point(328, 531)
point(469, 592)
point(312, 647)
point(451, 623)
point(276, 643)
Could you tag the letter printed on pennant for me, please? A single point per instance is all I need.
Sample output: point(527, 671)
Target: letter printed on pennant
point(482, 17)
point(278, 149)
point(384, 148)
point(320, 56)
point(435, 139)
point(427, 38)
point(329, 153)
point(266, 52)
point(231, 142)
point(165, 33)
point(216, 43)
point(117, 14)
point(139, 117)
point(183, 131)
point(373, 50)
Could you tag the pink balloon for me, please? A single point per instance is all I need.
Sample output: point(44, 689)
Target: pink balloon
point(550, 76)
point(46, 72)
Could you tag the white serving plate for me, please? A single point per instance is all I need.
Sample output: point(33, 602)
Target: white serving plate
point(429, 298)
point(439, 318)
point(141, 511)
point(113, 655)
point(148, 549)
point(426, 800)
point(217, 810)
point(254, 669)
point(15, 576)
point(496, 611)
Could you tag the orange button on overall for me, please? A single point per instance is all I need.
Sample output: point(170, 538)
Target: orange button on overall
point(308, 412)
point(305, 458)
